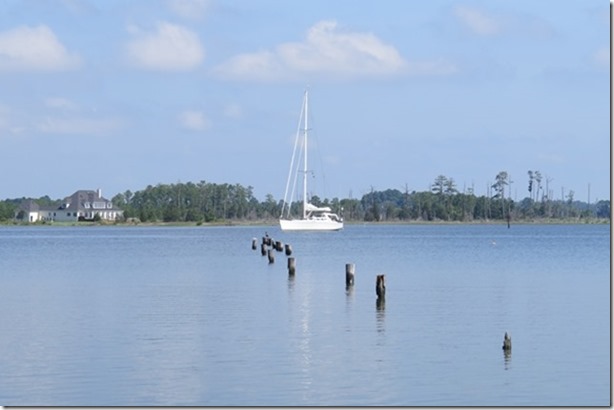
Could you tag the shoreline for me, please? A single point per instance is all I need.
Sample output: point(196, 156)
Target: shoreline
point(274, 223)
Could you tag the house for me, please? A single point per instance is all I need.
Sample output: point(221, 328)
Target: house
point(83, 205)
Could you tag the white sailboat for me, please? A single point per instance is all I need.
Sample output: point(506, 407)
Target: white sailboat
point(313, 218)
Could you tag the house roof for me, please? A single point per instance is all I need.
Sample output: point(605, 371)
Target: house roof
point(80, 198)
point(74, 202)
point(29, 205)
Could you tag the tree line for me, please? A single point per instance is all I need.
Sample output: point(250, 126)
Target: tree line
point(211, 202)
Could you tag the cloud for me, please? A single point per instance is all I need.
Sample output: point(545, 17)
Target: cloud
point(194, 121)
point(327, 49)
point(169, 48)
point(34, 49)
point(189, 9)
point(478, 21)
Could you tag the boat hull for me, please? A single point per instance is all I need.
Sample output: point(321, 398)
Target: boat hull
point(309, 225)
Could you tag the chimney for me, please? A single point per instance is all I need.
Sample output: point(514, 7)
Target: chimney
point(99, 193)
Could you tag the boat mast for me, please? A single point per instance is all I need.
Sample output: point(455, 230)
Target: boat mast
point(305, 157)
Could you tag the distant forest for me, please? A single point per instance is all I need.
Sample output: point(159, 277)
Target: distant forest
point(211, 202)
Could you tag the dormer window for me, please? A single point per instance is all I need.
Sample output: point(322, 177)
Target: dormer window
point(86, 205)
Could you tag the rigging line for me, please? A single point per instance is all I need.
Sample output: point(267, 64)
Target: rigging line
point(296, 143)
point(294, 194)
point(314, 136)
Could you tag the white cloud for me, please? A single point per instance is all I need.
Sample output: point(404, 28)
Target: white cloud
point(477, 21)
point(34, 48)
point(326, 49)
point(169, 47)
point(259, 66)
point(194, 121)
point(189, 9)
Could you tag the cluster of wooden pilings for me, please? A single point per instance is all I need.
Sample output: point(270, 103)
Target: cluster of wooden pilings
point(268, 248)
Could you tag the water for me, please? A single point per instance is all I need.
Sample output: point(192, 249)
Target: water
point(105, 316)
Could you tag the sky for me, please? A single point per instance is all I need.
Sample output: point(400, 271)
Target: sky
point(118, 95)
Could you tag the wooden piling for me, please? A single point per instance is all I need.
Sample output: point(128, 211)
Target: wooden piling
point(507, 343)
point(279, 246)
point(288, 250)
point(380, 286)
point(291, 266)
point(254, 243)
point(349, 274)
point(271, 256)
point(263, 249)
point(266, 239)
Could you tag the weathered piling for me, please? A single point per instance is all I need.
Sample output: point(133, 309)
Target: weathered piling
point(278, 246)
point(263, 249)
point(507, 343)
point(380, 287)
point(254, 243)
point(291, 266)
point(266, 239)
point(349, 274)
point(271, 256)
point(288, 250)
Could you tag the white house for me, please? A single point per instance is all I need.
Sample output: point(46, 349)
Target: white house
point(83, 205)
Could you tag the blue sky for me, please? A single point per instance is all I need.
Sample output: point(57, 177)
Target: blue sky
point(119, 95)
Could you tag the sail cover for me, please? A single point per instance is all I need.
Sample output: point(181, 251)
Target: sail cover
point(312, 208)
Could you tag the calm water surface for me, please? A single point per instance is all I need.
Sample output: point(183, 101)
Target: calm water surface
point(194, 316)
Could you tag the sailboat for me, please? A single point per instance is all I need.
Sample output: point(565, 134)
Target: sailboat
point(314, 218)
